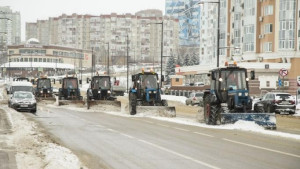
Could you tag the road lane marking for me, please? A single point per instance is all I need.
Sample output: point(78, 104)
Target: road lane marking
point(262, 148)
point(203, 134)
point(112, 130)
point(126, 135)
point(162, 125)
point(180, 129)
point(150, 122)
point(178, 154)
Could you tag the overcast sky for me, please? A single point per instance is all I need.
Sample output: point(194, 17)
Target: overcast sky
point(31, 10)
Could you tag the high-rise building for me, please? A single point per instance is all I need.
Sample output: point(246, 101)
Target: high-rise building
point(141, 32)
point(10, 26)
point(188, 14)
point(252, 31)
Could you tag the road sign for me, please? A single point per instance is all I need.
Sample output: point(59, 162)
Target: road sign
point(298, 80)
point(279, 82)
point(283, 72)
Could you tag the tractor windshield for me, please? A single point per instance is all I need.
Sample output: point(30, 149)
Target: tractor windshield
point(44, 83)
point(70, 83)
point(233, 80)
point(101, 82)
point(149, 81)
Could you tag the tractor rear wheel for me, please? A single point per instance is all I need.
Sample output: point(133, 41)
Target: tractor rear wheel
point(132, 103)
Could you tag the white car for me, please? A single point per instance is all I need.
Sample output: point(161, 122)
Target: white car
point(21, 100)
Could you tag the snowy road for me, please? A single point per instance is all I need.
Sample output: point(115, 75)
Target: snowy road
point(107, 141)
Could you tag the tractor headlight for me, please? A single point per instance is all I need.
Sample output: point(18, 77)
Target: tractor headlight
point(154, 92)
point(157, 81)
point(108, 91)
point(246, 94)
point(138, 81)
point(247, 79)
point(99, 91)
point(240, 94)
point(220, 79)
point(41, 91)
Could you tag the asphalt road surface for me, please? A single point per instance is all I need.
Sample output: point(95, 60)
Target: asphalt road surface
point(107, 141)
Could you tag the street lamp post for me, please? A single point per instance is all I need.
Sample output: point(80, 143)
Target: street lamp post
point(161, 49)
point(127, 61)
point(218, 32)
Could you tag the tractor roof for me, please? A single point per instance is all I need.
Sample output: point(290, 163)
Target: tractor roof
point(229, 68)
point(147, 73)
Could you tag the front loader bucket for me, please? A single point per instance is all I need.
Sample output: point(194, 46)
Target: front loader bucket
point(71, 102)
point(164, 111)
point(267, 120)
point(102, 103)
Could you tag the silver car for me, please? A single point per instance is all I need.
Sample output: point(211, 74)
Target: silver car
point(22, 101)
point(195, 98)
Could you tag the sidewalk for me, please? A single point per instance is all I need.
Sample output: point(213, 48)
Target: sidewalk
point(7, 154)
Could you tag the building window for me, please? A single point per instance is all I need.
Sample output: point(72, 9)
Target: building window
point(268, 10)
point(35, 59)
point(40, 59)
point(26, 59)
point(44, 59)
point(268, 28)
point(177, 79)
point(267, 83)
point(268, 47)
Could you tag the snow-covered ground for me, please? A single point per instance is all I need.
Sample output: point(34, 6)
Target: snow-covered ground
point(180, 99)
point(35, 149)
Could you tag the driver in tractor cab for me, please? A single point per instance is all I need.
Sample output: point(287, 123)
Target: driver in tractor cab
point(231, 82)
point(150, 82)
point(70, 84)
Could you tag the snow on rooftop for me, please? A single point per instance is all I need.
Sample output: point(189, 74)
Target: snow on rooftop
point(38, 64)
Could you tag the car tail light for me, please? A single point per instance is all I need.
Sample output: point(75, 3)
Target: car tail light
point(292, 101)
point(276, 101)
point(194, 98)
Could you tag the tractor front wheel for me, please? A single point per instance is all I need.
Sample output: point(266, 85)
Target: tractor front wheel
point(210, 113)
point(132, 103)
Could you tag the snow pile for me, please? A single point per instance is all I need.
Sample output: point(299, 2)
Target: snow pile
point(180, 99)
point(297, 110)
point(35, 149)
point(59, 157)
point(239, 125)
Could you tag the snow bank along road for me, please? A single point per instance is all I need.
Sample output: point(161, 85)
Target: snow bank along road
point(104, 140)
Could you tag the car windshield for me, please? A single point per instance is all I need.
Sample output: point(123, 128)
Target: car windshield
point(70, 83)
point(233, 80)
point(23, 95)
point(22, 88)
point(44, 83)
point(102, 82)
point(199, 94)
point(283, 96)
point(149, 81)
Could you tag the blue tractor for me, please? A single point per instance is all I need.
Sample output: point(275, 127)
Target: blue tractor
point(228, 99)
point(146, 95)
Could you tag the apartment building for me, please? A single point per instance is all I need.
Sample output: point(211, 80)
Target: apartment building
point(188, 14)
point(10, 26)
point(252, 31)
point(141, 32)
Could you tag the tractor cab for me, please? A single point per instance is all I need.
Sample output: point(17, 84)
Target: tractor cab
point(100, 88)
point(230, 85)
point(69, 89)
point(43, 87)
point(146, 85)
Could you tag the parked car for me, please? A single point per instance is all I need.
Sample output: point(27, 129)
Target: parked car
point(276, 102)
point(195, 98)
point(199, 84)
point(22, 100)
